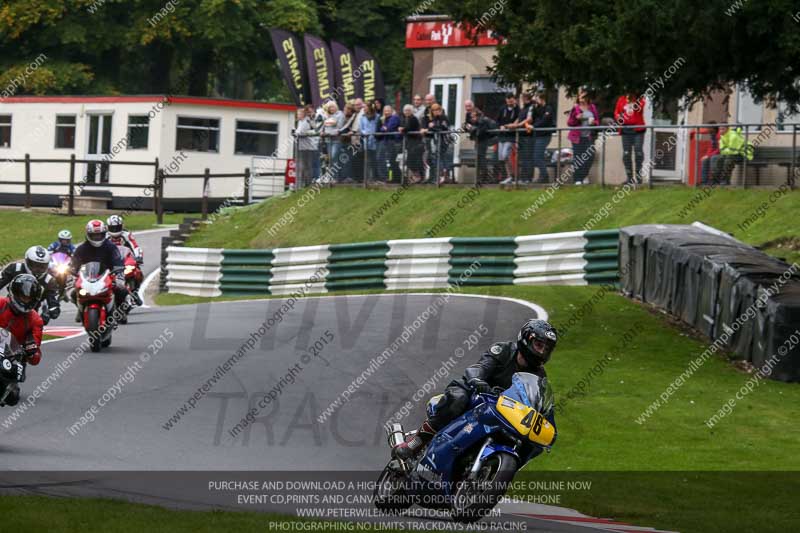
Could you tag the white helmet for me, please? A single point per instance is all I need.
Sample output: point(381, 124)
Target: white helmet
point(95, 232)
point(115, 225)
point(65, 237)
point(37, 259)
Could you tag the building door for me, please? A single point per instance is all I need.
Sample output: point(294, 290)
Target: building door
point(669, 143)
point(449, 93)
point(98, 148)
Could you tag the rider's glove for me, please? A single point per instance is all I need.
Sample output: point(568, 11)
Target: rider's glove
point(498, 390)
point(54, 312)
point(33, 352)
point(479, 386)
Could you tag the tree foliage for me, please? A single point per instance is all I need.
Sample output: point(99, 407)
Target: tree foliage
point(674, 49)
point(197, 47)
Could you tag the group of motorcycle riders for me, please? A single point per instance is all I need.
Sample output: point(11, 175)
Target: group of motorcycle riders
point(34, 293)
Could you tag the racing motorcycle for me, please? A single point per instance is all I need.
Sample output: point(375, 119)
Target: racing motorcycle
point(133, 277)
point(469, 464)
point(95, 295)
point(59, 269)
point(12, 365)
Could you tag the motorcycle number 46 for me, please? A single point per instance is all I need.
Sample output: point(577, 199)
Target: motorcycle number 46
point(533, 421)
point(527, 421)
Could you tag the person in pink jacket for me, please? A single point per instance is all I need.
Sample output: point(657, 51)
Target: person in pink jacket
point(584, 113)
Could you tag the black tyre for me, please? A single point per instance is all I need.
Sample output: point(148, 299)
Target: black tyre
point(390, 496)
point(474, 499)
point(93, 329)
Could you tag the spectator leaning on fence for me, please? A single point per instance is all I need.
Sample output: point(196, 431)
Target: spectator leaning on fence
point(388, 170)
point(733, 148)
point(713, 149)
point(410, 129)
point(584, 113)
point(629, 113)
point(507, 115)
point(542, 122)
point(368, 127)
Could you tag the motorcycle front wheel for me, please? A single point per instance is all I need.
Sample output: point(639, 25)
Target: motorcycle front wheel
point(92, 327)
point(390, 496)
point(475, 498)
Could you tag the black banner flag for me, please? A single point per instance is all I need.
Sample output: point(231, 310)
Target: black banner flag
point(290, 54)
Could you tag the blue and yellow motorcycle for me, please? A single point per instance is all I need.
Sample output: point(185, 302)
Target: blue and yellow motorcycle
point(469, 465)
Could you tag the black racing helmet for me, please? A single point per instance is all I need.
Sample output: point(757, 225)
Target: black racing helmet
point(536, 341)
point(23, 293)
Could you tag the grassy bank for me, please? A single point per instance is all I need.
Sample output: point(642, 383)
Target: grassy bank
point(354, 215)
point(24, 229)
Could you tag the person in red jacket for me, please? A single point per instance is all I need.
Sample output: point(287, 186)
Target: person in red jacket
point(629, 113)
point(17, 315)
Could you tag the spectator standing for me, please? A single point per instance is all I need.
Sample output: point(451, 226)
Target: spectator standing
point(438, 126)
point(333, 122)
point(713, 149)
point(315, 118)
point(430, 101)
point(542, 123)
point(481, 134)
point(419, 108)
point(349, 135)
point(525, 148)
point(629, 113)
point(509, 114)
point(307, 148)
point(358, 156)
point(368, 127)
point(387, 145)
point(584, 113)
point(410, 128)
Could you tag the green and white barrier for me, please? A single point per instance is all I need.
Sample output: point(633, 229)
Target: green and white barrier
point(573, 258)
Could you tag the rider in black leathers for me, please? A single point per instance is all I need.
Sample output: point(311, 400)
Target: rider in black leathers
point(492, 373)
point(36, 263)
point(97, 248)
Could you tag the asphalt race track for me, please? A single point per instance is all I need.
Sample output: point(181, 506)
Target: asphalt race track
point(131, 432)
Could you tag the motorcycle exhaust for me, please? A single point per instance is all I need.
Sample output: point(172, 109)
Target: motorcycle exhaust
point(395, 434)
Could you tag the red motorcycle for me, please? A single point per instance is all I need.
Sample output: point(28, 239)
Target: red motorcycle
point(95, 296)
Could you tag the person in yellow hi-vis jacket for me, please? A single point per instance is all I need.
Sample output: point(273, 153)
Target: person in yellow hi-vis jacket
point(732, 150)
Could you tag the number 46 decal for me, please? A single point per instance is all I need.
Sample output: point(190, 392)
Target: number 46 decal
point(533, 421)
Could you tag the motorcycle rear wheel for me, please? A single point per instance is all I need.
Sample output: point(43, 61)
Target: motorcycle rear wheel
point(390, 496)
point(474, 499)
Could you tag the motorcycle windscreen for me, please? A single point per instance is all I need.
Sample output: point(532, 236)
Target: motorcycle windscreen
point(91, 271)
point(522, 406)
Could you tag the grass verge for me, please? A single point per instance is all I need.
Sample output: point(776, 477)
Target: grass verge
point(25, 229)
point(356, 215)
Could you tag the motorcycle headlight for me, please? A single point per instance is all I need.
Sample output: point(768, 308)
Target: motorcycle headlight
point(62, 268)
point(83, 292)
point(129, 269)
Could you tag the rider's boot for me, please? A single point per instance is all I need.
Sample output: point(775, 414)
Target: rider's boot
point(411, 447)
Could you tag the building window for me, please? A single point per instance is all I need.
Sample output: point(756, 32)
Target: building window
point(65, 131)
point(138, 129)
point(488, 96)
point(5, 131)
point(197, 134)
point(748, 111)
point(256, 138)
